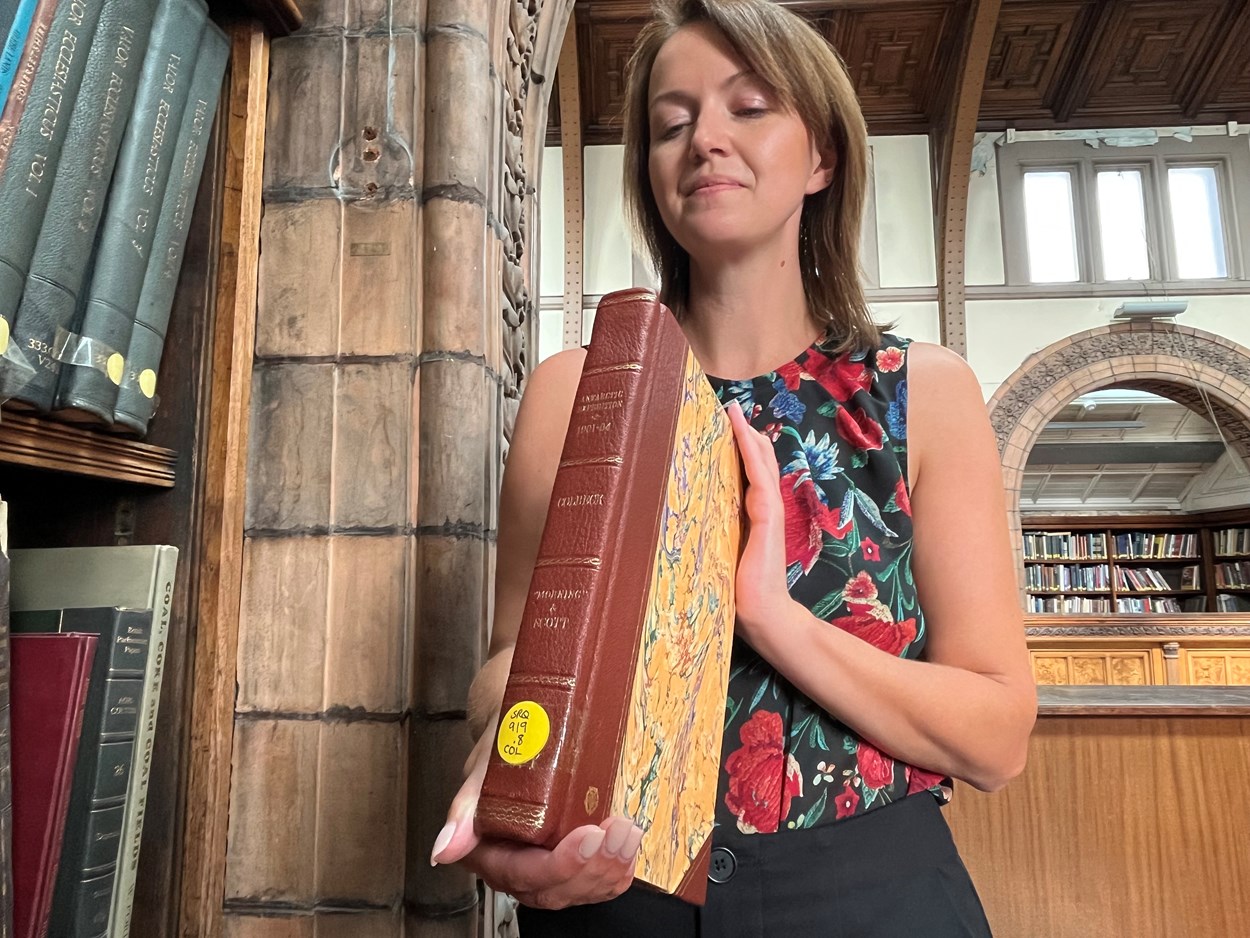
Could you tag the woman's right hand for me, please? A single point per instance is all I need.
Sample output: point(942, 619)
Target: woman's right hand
point(592, 863)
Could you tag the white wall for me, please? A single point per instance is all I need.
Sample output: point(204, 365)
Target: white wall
point(1001, 333)
point(903, 189)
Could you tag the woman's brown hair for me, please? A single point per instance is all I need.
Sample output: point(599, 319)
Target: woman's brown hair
point(808, 77)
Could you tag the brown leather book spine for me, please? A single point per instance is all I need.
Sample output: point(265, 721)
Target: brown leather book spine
point(23, 79)
point(576, 649)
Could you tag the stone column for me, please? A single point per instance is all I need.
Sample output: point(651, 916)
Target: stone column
point(318, 787)
point(393, 311)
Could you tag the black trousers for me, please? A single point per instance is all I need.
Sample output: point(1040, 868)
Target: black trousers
point(893, 872)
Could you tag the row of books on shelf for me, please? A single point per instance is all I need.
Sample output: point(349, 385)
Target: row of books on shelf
point(82, 639)
point(1087, 605)
point(1142, 545)
point(1132, 545)
point(1054, 578)
point(1233, 575)
point(1065, 545)
point(106, 111)
point(1232, 542)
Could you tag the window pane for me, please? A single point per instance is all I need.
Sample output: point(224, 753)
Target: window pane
point(1122, 224)
point(1049, 227)
point(1196, 224)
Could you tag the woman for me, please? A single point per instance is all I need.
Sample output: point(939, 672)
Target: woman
point(880, 648)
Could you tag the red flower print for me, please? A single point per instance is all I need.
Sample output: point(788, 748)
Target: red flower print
point(875, 767)
point(877, 628)
point(871, 551)
point(901, 497)
point(858, 429)
point(890, 359)
point(847, 802)
point(763, 777)
point(921, 779)
point(791, 374)
point(808, 519)
point(772, 431)
point(841, 378)
point(860, 587)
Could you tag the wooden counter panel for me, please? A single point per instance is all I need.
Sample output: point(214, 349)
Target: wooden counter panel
point(1119, 826)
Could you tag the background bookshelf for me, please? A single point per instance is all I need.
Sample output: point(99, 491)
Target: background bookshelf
point(1137, 565)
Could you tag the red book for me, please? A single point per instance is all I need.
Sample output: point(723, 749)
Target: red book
point(48, 690)
point(615, 703)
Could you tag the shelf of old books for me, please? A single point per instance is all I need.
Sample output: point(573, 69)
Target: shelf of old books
point(1157, 566)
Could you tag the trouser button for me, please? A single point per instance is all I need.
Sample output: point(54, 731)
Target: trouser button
point(722, 866)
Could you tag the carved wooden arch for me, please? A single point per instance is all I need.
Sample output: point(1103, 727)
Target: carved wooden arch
point(1187, 365)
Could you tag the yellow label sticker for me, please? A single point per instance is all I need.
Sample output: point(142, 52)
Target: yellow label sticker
point(4, 336)
point(147, 382)
point(116, 367)
point(523, 732)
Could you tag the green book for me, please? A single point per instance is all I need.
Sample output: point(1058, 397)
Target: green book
point(30, 147)
point(129, 577)
point(58, 268)
point(136, 399)
point(93, 369)
point(93, 825)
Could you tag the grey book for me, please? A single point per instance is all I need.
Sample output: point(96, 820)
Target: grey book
point(30, 147)
point(93, 369)
point(136, 398)
point(58, 267)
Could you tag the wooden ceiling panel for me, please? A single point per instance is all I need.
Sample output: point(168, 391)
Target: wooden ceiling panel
point(1034, 48)
point(894, 58)
point(1148, 56)
point(606, 35)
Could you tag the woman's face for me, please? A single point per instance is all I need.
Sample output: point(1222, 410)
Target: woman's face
point(729, 165)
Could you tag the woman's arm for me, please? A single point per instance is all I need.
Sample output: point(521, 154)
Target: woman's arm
point(967, 709)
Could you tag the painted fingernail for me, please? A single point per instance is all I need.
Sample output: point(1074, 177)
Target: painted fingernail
point(590, 844)
point(615, 839)
point(632, 842)
point(441, 841)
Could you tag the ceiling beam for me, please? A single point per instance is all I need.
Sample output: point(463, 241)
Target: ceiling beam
point(1103, 454)
point(953, 155)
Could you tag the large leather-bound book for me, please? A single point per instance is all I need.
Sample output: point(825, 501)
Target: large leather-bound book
point(616, 698)
point(58, 267)
point(51, 674)
point(136, 399)
point(92, 371)
point(89, 849)
point(30, 144)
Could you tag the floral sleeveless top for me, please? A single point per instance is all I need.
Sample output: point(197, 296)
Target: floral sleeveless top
point(839, 429)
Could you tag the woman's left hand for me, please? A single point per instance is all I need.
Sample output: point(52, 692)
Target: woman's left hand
point(761, 594)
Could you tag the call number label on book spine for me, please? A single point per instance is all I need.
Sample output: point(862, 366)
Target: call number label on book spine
point(523, 732)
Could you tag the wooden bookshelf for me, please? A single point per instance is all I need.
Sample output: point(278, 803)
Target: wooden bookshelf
point(183, 485)
point(1149, 549)
point(28, 440)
